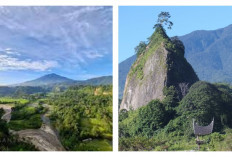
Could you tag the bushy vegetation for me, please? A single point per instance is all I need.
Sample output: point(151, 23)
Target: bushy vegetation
point(158, 37)
point(144, 120)
point(176, 48)
point(9, 100)
point(10, 142)
point(140, 48)
point(83, 117)
point(21, 91)
point(203, 102)
point(25, 117)
point(149, 119)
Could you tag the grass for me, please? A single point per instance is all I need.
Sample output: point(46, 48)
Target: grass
point(105, 145)
point(24, 113)
point(26, 117)
point(173, 142)
point(8, 100)
point(92, 126)
point(34, 122)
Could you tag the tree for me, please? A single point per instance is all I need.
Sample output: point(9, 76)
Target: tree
point(163, 19)
point(203, 102)
point(140, 48)
point(151, 118)
point(179, 44)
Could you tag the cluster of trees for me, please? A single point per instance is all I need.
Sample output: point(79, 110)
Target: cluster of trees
point(10, 142)
point(25, 117)
point(167, 125)
point(21, 91)
point(83, 117)
point(9, 100)
point(162, 21)
point(148, 119)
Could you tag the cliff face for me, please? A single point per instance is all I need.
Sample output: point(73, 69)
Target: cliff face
point(161, 65)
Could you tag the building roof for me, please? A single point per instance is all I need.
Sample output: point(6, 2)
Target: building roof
point(203, 130)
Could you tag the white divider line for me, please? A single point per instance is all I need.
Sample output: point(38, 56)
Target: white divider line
point(115, 77)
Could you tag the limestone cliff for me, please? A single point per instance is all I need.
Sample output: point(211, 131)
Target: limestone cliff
point(161, 65)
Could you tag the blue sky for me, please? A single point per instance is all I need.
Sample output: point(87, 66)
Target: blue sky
point(136, 23)
point(74, 42)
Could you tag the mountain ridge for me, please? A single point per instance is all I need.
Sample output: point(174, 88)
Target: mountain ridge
point(54, 79)
point(210, 61)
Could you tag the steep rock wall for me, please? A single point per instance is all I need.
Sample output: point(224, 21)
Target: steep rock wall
point(161, 65)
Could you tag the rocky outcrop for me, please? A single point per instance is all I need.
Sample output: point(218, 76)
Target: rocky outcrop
point(161, 65)
point(7, 109)
point(41, 139)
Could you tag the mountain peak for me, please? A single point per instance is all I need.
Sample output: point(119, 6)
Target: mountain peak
point(161, 65)
point(47, 80)
point(159, 33)
point(52, 75)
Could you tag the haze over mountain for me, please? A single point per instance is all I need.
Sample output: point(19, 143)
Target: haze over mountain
point(209, 53)
point(54, 79)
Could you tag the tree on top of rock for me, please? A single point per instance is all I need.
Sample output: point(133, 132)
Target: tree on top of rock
point(163, 19)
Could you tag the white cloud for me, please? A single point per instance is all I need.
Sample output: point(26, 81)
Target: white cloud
point(94, 54)
point(57, 33)
point(11, 51)
point(11, 63)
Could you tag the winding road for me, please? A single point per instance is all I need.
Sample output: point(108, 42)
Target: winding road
point(44, 139)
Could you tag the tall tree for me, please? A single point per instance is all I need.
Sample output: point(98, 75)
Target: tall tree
point(163, 19)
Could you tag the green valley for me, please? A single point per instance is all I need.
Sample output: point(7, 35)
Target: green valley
point(76, 118)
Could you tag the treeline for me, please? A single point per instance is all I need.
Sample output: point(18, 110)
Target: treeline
point(83, 117)
point(167, 124)
point(21, 91)
point(9, 100)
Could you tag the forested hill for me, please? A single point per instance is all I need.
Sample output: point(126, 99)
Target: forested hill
point(170, 128)
point(54, 79)
point(103, 80)
point(48, 83)
point(83, 117)
point(209, 53)
point(124, 68)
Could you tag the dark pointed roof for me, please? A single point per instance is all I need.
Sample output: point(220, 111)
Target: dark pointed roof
point(203, 130)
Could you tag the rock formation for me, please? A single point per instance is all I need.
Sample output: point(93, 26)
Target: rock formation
point(161, 65)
